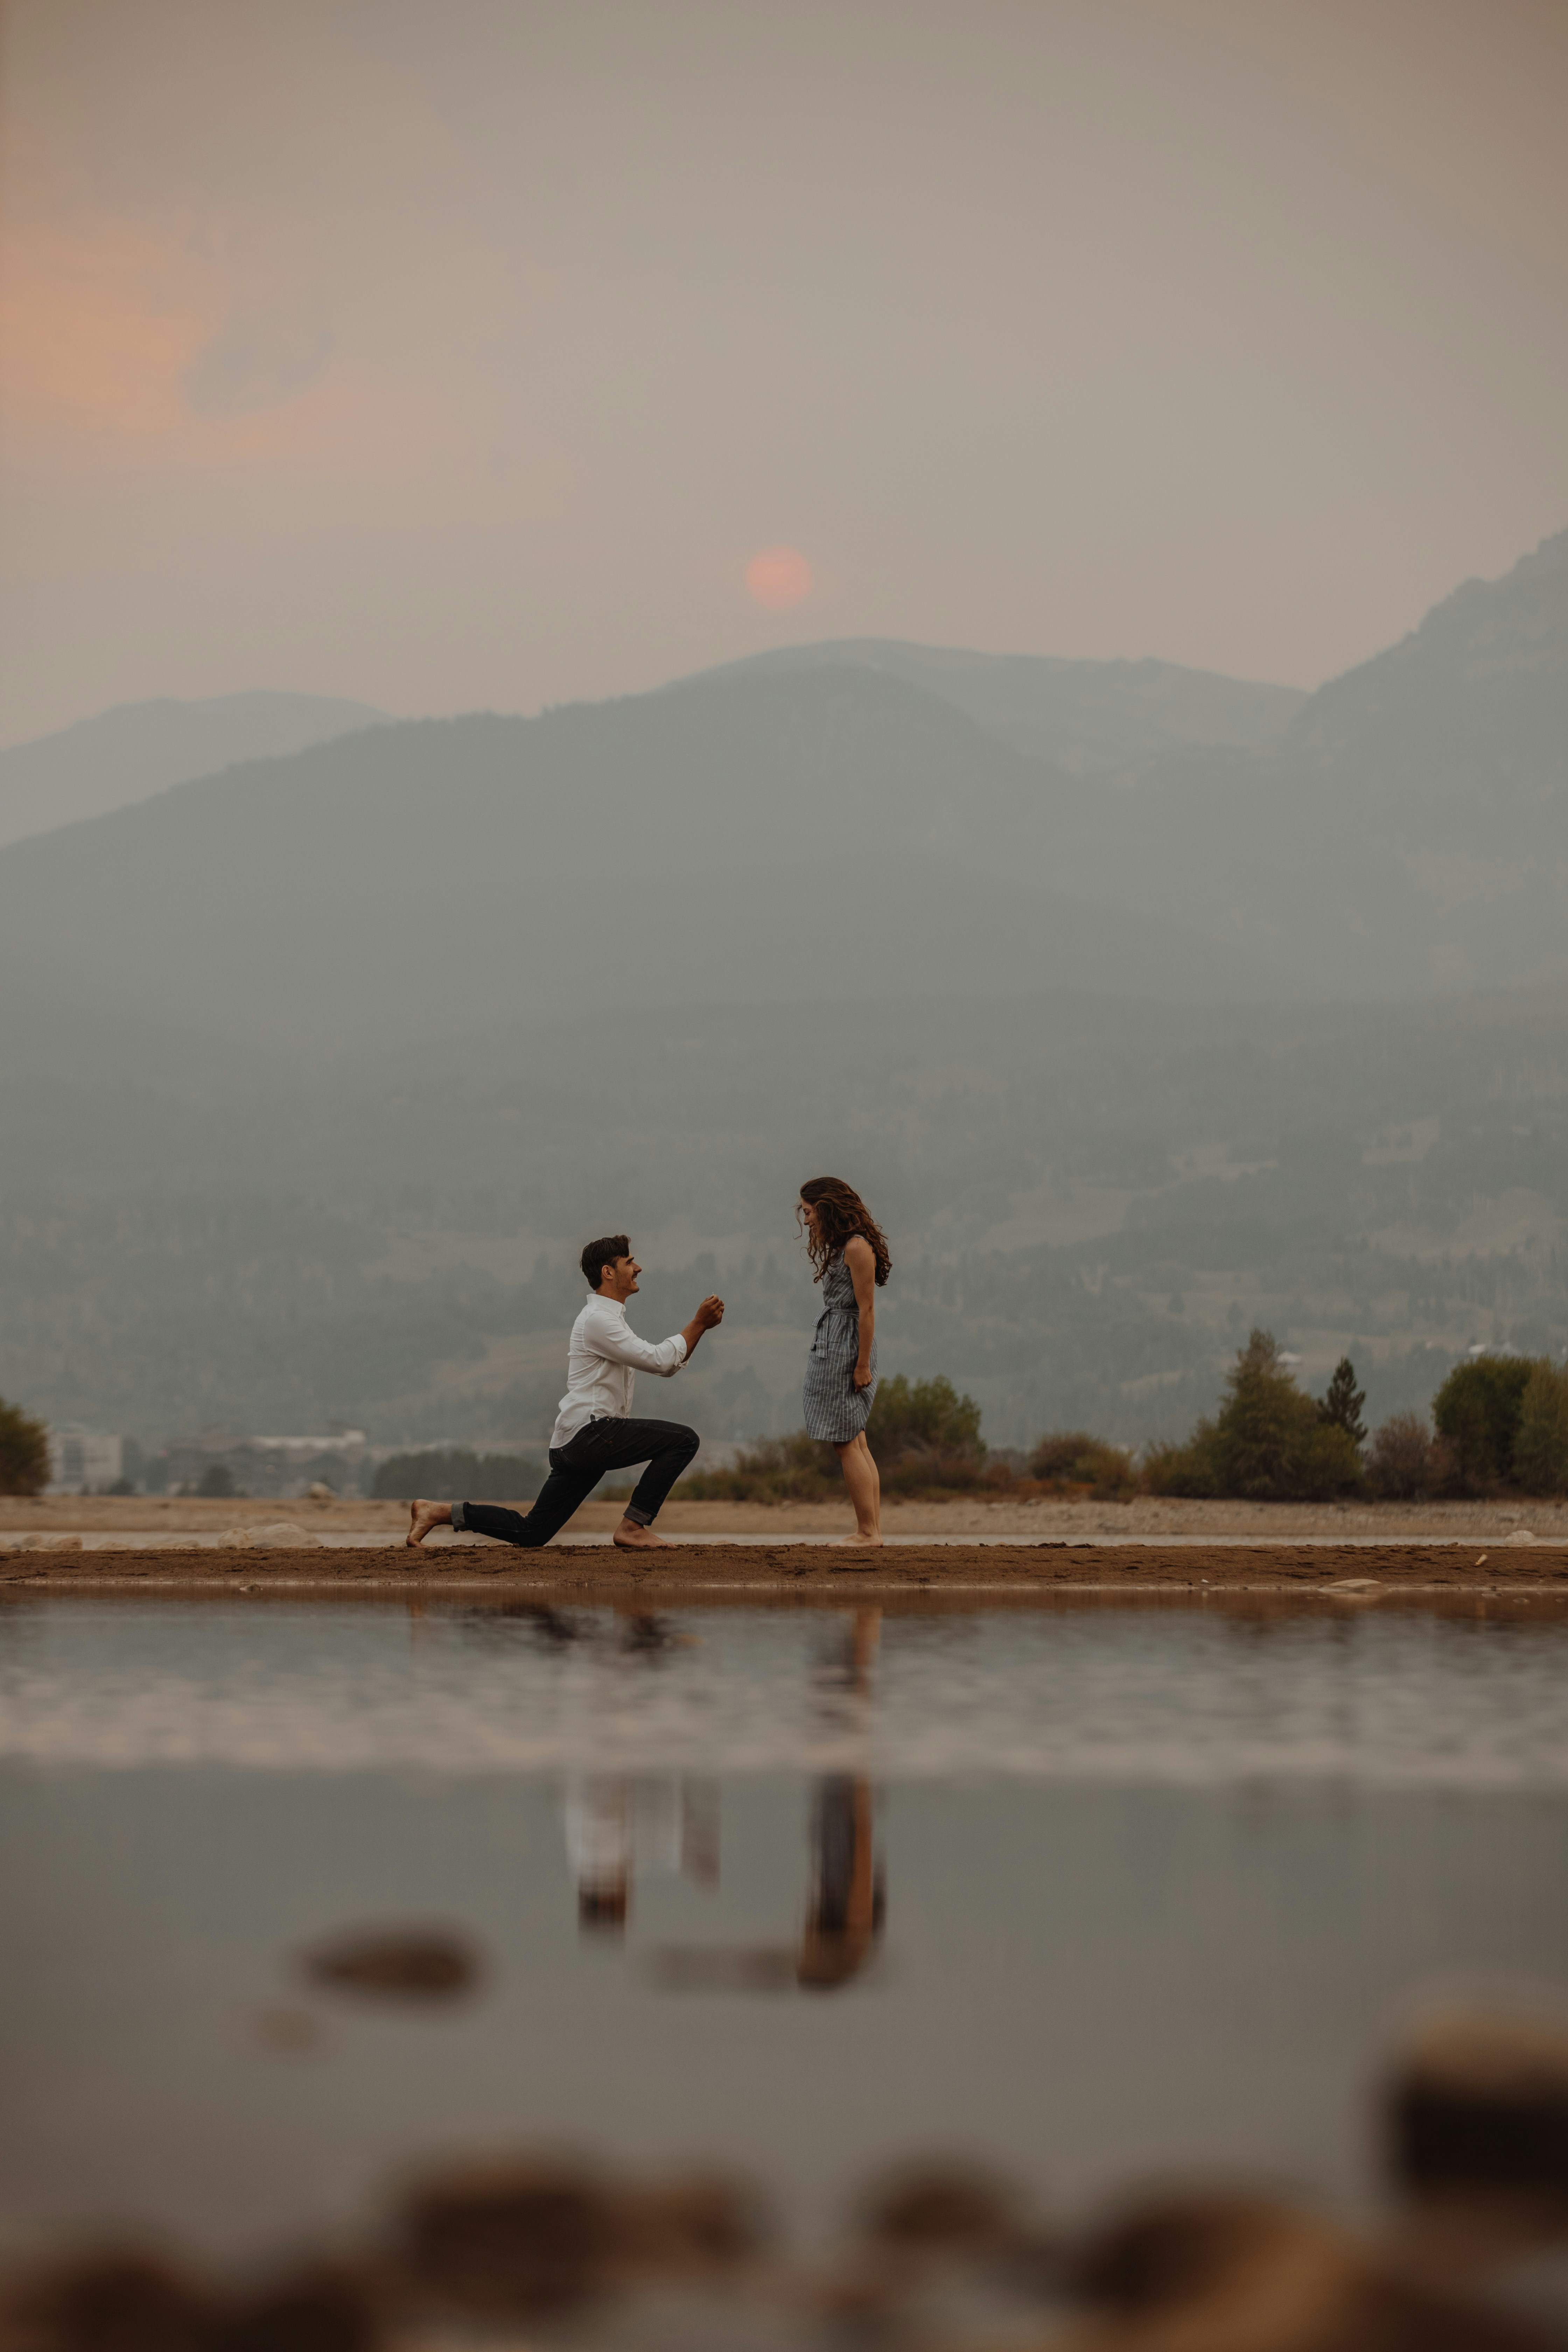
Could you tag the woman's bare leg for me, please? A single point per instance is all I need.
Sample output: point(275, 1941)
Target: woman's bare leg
point(423, 1517)
point(859, 1467)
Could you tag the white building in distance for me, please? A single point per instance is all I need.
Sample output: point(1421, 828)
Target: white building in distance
point(83, 1461)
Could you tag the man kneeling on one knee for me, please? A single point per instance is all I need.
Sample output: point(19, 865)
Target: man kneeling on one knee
point(595, 1431)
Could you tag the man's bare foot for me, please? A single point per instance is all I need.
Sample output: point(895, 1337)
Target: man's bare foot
point(423, 1517)
point(632, 1536)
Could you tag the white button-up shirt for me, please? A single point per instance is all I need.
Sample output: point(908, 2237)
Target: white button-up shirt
point(604, 1356)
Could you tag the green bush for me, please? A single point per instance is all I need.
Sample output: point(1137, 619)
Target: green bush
point(1190, 1470)
point(925, 1436)
point(1540, 1443)
point(1266, 1444)
point(454, 1475)
point(1478, 1411)
point(923, 1417)
point(1072, 1457)
point(217, 1479)
point(922, 1433)
point(24, 1451)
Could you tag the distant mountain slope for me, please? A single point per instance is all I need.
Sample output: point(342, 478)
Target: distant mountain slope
point(1089, 717)
point(832, 835)
point(1466, 720)
point(1410, 830)
point(1446, 758)
point(141, 748)
point(827, 831)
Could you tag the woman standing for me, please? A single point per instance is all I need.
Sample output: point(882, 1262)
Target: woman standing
point(849, 1253)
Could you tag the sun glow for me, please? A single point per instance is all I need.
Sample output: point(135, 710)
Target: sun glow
point(778, 577)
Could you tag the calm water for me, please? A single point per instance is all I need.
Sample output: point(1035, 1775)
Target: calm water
point(1090, 1892)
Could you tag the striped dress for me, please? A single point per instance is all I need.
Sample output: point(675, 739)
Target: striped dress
point(834, 1408)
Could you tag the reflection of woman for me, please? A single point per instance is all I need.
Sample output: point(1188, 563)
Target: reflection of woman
point(844, 1923)
point(848, 1253)
point(844, 1918)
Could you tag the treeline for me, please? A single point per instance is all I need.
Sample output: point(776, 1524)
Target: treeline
point(1500, 1426)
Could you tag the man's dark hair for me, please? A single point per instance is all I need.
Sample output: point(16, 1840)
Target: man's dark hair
point(601, 1253)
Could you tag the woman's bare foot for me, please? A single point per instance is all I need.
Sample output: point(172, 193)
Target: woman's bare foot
point(861, 1543)
point(632, 1536)
point(423, 1517)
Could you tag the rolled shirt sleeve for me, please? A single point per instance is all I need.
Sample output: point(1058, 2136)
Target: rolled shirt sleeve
point(617, 1340)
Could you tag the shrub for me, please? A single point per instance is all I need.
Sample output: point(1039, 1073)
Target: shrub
point(454, 1475)
point(1404, 1463)
point(798, 1469)
point(1191, 1470)
point(24, 1451)
point(1541, 1444)
point(1478, 1411)
point(927, 1474)
point(217, 1478)
point(923, 1434)
point(1266, 1444)
point(1072, 1457)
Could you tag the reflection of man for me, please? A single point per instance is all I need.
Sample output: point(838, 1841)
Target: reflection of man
point(615, 1826)
point(595, 1431)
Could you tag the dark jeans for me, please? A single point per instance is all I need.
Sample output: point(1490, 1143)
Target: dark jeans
point(576, 1468)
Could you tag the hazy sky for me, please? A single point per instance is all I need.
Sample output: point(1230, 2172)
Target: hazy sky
point(479, 353)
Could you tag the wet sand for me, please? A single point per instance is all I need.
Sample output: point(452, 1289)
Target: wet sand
point(1349, 1572)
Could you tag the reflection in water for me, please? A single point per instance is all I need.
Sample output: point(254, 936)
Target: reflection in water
point(846, 1900)
point(1182, 1868)
point(844, 1920)
point(616, 1825)
point(1221, 1696)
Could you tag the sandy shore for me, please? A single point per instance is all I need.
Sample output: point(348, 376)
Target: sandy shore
point(130, 1544)
point(1353, 1574)
point(1146, 1520)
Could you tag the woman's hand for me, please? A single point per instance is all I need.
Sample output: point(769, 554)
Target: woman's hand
point(861, 1376)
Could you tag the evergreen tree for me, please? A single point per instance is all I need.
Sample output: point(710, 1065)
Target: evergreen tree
point(1268, 1443)
point(1341, 1405)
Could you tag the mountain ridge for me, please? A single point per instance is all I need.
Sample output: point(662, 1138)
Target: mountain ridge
point(134, 750)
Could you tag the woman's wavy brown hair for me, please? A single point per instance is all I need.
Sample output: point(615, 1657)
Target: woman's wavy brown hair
point(840, 1214)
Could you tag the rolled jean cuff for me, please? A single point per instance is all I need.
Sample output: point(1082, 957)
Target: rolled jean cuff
point(458, 1522)
point(637, 1516)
